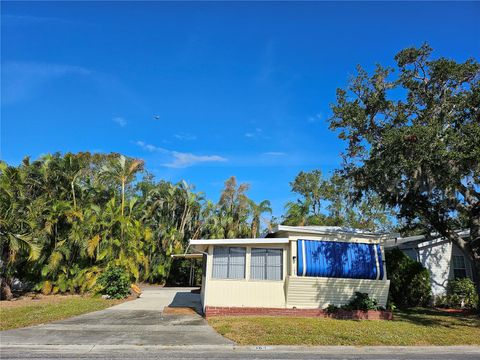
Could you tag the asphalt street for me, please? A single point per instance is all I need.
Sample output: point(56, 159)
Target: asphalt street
point(236, 352)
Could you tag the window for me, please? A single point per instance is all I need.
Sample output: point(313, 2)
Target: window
point(228, 262)
point(266, 264)
point(459, 268)
point(411, 253)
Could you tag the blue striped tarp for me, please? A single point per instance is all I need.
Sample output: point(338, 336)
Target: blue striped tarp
point(339, 259)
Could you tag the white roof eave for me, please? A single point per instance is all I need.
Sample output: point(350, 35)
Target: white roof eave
point(332, 230)
point(195, 242)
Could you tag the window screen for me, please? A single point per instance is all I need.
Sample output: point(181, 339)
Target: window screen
point(228, 262)
point(266, 264)
point(459, 268)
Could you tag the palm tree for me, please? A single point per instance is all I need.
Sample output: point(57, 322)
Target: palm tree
point(257, 211)
point(122, 170)
point(297, 213)
point(17, 240)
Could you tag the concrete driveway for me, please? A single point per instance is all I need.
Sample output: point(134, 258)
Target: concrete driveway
point(139, 322)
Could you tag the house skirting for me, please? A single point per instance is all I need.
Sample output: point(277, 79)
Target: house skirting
point(211, 311)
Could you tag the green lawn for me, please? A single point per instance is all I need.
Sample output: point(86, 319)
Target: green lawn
point(33, 312)
point(416, 327)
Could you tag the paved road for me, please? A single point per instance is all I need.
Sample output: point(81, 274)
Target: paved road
point(232, 352)
point(138, 322)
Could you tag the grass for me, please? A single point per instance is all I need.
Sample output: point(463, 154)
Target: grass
point(415, 327)
point(50, 308)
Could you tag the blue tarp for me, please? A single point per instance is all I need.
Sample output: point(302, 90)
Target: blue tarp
point(339, 259)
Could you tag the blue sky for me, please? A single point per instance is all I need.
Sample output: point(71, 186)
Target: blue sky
point(203, 91)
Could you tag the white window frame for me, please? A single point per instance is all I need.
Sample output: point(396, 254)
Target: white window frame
point(228, 277)
point(266, 263)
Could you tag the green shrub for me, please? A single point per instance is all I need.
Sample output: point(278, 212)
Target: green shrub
point(361, 301)
point(331, 309)
point(391, 306)
point(462, 293)
point(115, 283)
point(441, 301)
point(409, 280)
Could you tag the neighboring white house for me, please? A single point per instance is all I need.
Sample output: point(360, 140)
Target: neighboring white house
point(305, 267)
point(444, 260)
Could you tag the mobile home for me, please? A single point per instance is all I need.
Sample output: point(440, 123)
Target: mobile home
point(304, 267)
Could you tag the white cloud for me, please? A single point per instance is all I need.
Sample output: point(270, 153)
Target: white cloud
point(185, 136)
point(316, 118)
point(179, 159)
point(120, 121)
point(254, 133)
point(23, 79)
point(274, 153)
point(182, 160)
point(150, 147)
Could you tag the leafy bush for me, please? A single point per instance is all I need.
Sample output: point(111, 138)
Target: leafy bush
point(331, 309)
point(391, 306)
point(409, 280)
point(115, 283)
point(441, 301)
point(361, 301)
point(462, 293)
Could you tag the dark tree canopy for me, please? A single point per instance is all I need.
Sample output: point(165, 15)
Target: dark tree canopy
point(413, 135)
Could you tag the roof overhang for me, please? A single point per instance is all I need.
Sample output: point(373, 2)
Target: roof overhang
point(254, 241)
point(419, 239)
point(331, 230)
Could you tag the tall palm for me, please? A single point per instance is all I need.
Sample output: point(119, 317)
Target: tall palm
point(257, 210)
point(297, 213)
point(122, 170)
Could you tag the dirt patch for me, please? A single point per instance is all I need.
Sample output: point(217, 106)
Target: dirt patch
point(35, 299)
point(178, 311)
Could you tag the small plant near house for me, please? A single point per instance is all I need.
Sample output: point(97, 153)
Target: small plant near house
point(391, 306)
point(115, 283)
point(361, 301)
point(461, 293)
point(331, 309)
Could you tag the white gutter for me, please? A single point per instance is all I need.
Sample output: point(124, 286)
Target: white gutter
point(239, 241)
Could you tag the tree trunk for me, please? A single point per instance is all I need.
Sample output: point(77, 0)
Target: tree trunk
point(6, 289)
point(123, 196)
point(73, 195)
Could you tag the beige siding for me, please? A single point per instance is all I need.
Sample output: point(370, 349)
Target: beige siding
point(238, 293)
point(311, 292)
point(245, 292)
